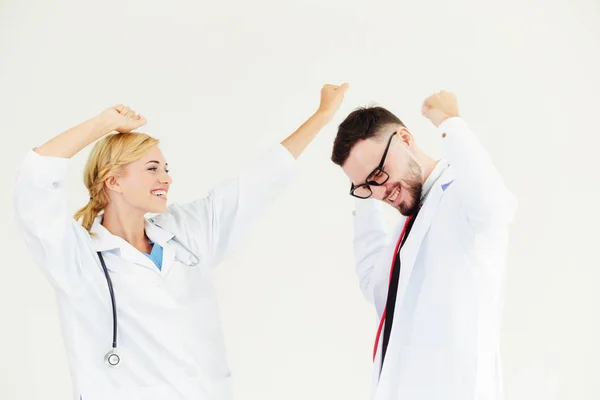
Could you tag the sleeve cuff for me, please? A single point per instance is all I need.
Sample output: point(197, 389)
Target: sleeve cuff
point(277, 162)
point(282, 156)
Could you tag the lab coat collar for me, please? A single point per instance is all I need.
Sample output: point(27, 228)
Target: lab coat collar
point(433, 178)
point(103, 240)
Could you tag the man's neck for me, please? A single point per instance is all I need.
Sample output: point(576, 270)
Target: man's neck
point(428, 167)
point(428, 178)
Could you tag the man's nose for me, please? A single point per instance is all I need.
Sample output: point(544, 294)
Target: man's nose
point(379, 192)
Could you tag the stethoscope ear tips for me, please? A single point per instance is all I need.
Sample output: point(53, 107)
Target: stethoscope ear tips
point(112, 358)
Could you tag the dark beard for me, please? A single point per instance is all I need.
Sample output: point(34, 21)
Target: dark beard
point(413, 185)
point(409, 209)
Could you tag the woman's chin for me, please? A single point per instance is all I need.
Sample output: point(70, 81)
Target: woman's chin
point(156, 208)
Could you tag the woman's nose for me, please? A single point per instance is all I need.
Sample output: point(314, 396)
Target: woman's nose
point(165, 178)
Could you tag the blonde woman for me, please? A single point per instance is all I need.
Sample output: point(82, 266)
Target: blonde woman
point(137, 307)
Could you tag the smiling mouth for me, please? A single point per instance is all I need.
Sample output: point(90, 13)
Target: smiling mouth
point(394, 195)
point(159, 193)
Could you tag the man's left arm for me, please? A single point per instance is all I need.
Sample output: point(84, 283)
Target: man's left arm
point(484, 195)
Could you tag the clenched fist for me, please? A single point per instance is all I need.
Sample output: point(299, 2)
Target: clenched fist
point(439, 107)
point(123, 119)
point(331, 99)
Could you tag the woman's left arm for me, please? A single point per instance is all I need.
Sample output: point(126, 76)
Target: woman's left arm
point(217, 224)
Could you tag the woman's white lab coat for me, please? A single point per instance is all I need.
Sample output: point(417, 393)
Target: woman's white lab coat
point(169, 332)
point(444, 344)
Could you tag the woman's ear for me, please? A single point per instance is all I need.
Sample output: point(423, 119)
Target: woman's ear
point(112, 183)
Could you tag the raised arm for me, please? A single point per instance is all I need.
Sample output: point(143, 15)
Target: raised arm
point(119, 118)
point(40, 202)
point(485, 198)
point(331, 98)
point(217, 224)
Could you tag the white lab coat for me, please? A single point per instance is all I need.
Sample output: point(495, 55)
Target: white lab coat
point(444, 344)
point(169, 333)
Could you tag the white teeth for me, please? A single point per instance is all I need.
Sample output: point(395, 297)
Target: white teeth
point(394, 195)
point(162, 193)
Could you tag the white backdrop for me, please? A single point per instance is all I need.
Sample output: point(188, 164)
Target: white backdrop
point(221, 81)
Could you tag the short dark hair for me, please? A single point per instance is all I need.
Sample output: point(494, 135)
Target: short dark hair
point(362, 123)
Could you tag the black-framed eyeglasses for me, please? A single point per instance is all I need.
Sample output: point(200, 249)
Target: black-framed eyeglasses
point(376, 178)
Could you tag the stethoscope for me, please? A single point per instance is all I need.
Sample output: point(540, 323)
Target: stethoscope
point(113, 358)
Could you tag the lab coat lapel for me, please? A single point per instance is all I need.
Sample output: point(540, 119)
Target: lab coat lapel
point(162, 237)
point(130, 253)
point(408, 256)
point(410, 250)
point(168, 258)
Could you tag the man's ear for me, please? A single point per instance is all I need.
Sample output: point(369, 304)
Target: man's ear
point(406, 137)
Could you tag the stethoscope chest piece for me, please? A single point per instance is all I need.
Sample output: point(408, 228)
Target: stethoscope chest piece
point(112, 358)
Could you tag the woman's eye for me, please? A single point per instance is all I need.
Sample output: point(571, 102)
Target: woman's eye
point(154, 169)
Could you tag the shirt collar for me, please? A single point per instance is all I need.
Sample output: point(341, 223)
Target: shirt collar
point(437, 172)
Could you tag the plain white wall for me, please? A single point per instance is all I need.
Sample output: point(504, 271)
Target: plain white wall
point(221, 81)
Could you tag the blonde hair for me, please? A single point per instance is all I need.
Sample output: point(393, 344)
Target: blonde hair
point(107, 159)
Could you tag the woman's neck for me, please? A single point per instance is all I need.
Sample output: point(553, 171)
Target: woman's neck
point(128, 225)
